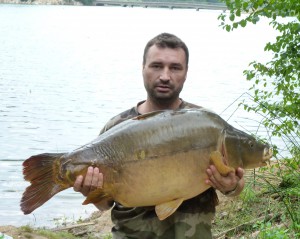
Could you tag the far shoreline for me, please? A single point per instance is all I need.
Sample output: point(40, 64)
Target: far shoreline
point(210, 6)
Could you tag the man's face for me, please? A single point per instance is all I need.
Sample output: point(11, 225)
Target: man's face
point(164, 73)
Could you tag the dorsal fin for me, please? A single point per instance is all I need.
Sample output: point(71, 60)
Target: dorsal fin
point(148, 115)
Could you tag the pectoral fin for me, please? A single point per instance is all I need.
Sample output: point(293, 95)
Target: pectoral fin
point(216, 158)
point(166, 209)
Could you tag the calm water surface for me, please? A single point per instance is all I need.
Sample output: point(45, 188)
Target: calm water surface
point(66, 70)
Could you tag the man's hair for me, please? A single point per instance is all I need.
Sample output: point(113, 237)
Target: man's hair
point(166, 40)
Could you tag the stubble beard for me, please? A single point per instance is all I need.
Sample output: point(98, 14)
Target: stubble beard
point(162, 99)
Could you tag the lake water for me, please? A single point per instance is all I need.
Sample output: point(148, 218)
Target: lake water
point(66, 70)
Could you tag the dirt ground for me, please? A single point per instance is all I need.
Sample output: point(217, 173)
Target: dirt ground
point(99, 225)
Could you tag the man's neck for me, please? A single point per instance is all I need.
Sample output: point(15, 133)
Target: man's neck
point(149, 106)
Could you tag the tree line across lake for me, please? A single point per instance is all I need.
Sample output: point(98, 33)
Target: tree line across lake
point(90, 2)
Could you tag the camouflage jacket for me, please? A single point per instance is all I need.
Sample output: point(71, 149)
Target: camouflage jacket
point(191, 220)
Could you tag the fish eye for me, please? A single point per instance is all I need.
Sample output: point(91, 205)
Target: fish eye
point(251, 144)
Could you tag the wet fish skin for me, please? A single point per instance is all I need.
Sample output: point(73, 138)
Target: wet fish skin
point(157, 159)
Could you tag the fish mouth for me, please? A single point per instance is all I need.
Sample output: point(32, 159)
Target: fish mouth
point(267, 155)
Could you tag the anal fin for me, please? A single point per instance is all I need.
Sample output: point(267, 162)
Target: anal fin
point(96, 196)
point(168, 208)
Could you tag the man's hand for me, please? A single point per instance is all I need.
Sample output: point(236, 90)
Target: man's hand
point(233, 182)
point(92, 181)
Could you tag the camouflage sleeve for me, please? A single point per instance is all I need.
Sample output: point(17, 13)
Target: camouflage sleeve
point(127, 114)
point(187, 105)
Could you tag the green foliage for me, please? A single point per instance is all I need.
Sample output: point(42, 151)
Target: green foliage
point(288, 190)
point(27, 228)
point(30, 232)
point(276, 93)
point(55, 235)
point(248, 195)
point(276, 84)
point(269, 231)
point(108, 236)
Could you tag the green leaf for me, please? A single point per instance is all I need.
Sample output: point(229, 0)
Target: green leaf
point(255, 19)
point(228, 28)
point(243, 23)
point(245, 5)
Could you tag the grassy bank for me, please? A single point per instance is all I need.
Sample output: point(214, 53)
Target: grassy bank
point(268, 208)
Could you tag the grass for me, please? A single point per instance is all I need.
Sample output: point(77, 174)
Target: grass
point(269, 206)
point(29, 232)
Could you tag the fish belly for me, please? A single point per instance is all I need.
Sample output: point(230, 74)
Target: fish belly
point(154, 181)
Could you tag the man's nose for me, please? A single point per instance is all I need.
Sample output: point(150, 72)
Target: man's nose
point(165, 74)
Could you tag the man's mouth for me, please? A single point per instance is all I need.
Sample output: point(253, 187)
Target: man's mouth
point(163, 88)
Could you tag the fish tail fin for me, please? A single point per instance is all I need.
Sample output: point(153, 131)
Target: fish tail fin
point(41, 171)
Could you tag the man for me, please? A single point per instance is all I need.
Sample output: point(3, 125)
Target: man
point(165, 67)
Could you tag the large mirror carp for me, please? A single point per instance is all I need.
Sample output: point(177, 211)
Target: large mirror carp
point(157, 159)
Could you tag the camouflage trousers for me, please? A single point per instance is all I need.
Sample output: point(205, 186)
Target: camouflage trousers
point(144, 224)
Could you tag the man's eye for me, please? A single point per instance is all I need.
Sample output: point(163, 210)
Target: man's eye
point(176, 68)
point(155, 66)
